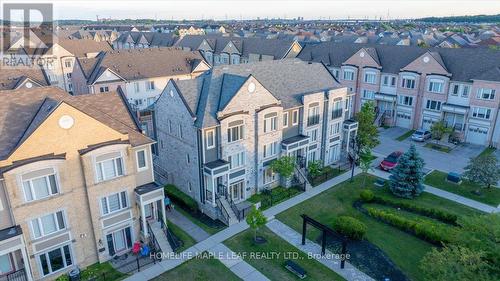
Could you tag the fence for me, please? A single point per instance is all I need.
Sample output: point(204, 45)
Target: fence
point(328, 173)
point(19, 275)
point(277, 195)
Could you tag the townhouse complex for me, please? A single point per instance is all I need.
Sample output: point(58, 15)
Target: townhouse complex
point(415, 87)
point(76, 182)
point(235, 50)
point(136, 39)
point(219, 133)
point(13, 78)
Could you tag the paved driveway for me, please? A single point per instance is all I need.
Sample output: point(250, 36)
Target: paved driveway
point(454, 161)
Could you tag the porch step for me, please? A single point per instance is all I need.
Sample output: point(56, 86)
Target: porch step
point(161, 237)
point(232, 216)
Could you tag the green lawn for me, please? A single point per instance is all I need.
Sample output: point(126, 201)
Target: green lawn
point(208, 228)
point(277, 195)
point(274, 268)
point(488, 150)
point(405, 135)
point(490, 196)
point(98, 272)
point(437, 147)
point(199, 269)
point(187, 241)
point(404, 249)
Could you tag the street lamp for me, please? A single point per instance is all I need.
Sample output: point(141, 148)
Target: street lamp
point(355, 151)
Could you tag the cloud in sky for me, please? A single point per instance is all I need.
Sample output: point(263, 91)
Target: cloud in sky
point(246, 9)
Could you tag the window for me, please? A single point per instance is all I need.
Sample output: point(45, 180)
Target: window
point(119, 241)
point(336, 73)
point(389, 81)
point(485, 94)
point(370, 77)
point(138, 102)
point(313, 116)
point(109, 168)
point(295, 117)
point(136, 87)
point(481, 112)
point(465, 91)
point(312, 156)
point(68, 75)
point(433, 105)
point(369, 95)
point(285, 119)
point(141, 160)
point(48, 224)
point(235, 133)
point(236, 160)
point(188, 158)
point(270, 149)
point(104, 89)
point(408, 82)
point(170, 130)
point(348, 75)
point(114, 203)
point(55, 260)
point(334, 128)
point(270, 122)
point(37, 187)
point(6, 265)
point(337, 109)
point(180, 131)
point(462, 90)
point(269, 176)
point(150, 85)
point(210, 138)
point(405, 100)
point(313, 135)
point(67, 63)
point(436, 86)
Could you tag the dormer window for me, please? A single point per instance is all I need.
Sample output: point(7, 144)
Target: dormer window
point(436, 86)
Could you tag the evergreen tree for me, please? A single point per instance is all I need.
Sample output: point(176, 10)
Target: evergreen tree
point(407, 177)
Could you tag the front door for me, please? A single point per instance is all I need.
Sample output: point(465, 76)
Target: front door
point(149, 211)
point(236, 190)
point(334, 153)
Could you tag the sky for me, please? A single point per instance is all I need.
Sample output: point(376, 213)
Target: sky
point(245, 9)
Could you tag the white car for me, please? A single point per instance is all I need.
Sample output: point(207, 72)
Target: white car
point(421, 135)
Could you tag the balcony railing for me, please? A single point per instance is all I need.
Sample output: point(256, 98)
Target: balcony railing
point(19, 275)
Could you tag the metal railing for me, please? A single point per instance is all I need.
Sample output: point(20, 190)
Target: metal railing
point(153, 243)
point(224, 212)
point(19, 275)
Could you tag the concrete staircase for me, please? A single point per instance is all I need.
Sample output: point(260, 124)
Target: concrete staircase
point(228, 215)
point(160, 237)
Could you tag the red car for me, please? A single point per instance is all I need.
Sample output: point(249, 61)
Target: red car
point(391, 161)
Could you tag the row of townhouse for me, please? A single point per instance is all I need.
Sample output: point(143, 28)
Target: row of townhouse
point(76, 182)
point(217, 134)
point(141, 73)
point(184, 30)
point(219, 49)
point(19, 78)
point(415, 87)
point(136, 39)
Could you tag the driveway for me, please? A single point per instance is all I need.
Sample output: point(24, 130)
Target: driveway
point(454, 161)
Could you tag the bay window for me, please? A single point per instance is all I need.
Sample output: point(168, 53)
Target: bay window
point(270, 122)
point(348, 75)
point(370, 77)
point(109, 166)
point(485, 94)
point(435, 86)
point(114, 203)
point(40, 184)
point(270, 149)
point(235, 132)
point(408, 82)
point(236, 160)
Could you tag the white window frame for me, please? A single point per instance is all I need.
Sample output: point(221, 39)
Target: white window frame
point(476, 111)
point(405, 100)
point(404, 82)
point(295, 117)
point(237, 160)
point(137, 87)
point(370, 77)
point(61, 248)
point(241, 133)
point(486, 94)
point(273, 148)
point(115, 167)
point(334, 128)
point(435, 86)
point(273, 178)
point(313, 135)
point(428, 105)
point(208, 137)
point(368, 94)
point(285, 119)
point(146, 166)
point(350, 75)
point(271, 124)
point(32, 189)
point(150, 85)
point(120, 203)
point(41, 227)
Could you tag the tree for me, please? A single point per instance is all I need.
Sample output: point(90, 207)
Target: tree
point(439, 129)
point(367, 135)
point(285, 167)
point(365, 162)
point(407, 177)
point(256, 220)
point(483, 170)
point(314, 168)
point(455, 263)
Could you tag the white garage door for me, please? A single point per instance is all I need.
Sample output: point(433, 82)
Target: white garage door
point(477, 135)
point(403, 119)
point(427, 122)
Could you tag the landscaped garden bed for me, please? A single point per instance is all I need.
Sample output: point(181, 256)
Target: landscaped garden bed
point(438, 147)
point(269, 198)
point(490, 196)
point(274, 268)
point(403, 248)
point(97, 272)
point(405, 135)
point(198, 268)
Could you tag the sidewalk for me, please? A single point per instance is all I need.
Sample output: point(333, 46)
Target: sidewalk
point(447, 195)
point(349, 272)
point(187, 225)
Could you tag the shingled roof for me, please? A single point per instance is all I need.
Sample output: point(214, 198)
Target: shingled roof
point(81, 47)
point(270, 47)
point(138, 64)
point(12, 78)
point(464, 64)
point(287, 80)
point(155, 39)
point(22, 111)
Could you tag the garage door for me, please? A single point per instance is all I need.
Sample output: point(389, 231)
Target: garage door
point(403, 119)
point(477, 135)
point(427, 122)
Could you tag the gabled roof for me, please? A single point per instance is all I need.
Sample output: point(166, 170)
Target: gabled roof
point(22, 111)
point(153, 39)
point(139, 64)
point(464, 64)
point(12, 78)
point(287, 80)
point(81, 47)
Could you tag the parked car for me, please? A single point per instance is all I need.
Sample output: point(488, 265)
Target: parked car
point(390, 161)
point(421, 135)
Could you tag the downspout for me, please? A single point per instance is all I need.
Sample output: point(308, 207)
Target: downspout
point(324, 135)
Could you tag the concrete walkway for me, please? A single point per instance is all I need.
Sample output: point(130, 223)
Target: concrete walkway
point(236, 264)
point(349, 272)
point(187, 225)
point(447, 195)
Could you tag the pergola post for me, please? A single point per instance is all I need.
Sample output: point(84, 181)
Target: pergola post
point(323, 243)
point(344, 250)
point(304, 229)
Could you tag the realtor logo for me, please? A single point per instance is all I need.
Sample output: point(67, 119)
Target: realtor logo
point(27, 33)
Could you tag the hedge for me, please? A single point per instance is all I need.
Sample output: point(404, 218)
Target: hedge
point(428, 212)
point(424, 230)
point(180, 198)
point(350, 227)
point(366, 195)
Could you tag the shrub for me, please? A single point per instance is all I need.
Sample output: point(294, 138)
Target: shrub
point(350, 227)
point(424, 230)
point(180, 198)
point(366, 195)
